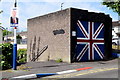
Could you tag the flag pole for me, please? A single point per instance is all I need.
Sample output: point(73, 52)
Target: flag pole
point(15, 44)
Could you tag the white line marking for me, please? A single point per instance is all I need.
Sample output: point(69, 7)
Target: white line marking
point(68, 71)
point(26, 76)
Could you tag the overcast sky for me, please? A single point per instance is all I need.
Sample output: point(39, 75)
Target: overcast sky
point(33, 8)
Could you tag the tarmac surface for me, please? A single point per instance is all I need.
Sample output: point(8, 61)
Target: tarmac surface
point(52, 67)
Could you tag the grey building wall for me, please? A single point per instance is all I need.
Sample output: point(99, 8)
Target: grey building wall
point(1, 36)
point(52, 30)
point(0, 43)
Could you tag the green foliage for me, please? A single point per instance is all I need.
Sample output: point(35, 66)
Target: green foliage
point(23, 60)
point(0, 13)
point(22, 55)
point(6, 32)
point(19, 37)
point(113, 4)
point(6, 55)
point(59, 60)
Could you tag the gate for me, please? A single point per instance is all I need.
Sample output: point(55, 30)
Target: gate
point(90, 41)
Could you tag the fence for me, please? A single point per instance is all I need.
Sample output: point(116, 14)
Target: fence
point(21, 46)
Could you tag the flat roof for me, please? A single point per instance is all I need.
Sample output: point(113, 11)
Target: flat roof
point(116, 23)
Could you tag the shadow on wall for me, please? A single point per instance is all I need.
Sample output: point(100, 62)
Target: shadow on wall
point(33, 56)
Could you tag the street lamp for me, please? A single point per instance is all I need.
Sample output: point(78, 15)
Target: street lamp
point(61, 5)
point(14, 24)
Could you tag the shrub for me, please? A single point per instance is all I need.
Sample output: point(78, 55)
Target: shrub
point(22, 55)
point(19, 38)
point(59, 60)
point(6, 55)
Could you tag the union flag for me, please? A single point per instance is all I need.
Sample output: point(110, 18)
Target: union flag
point(90, 41)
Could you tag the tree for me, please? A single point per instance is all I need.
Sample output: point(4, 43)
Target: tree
point(6, 32)
point(19, 38)
point(113, 4)
point(0, 13)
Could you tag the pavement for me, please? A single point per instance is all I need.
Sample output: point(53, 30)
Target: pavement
point(53, 67)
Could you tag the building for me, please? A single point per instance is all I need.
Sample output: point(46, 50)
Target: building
point(1, 34)
point(115, 32)
point(59, 35)
point(116, 28)
point(22, 43)
point(10, 37)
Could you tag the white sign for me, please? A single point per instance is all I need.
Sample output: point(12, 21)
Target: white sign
point(73, 33)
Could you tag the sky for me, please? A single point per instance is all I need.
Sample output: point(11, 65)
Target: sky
point(32, 8)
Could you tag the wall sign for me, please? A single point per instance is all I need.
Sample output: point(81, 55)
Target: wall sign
point(61, 31)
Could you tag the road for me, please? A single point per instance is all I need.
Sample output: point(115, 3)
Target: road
point(97, 73)
point(100, 74)
point(100, 69)
point(94, 74)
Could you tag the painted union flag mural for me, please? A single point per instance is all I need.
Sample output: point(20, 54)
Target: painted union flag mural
point(90, 41)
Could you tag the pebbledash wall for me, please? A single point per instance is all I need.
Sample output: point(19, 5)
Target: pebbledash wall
point(42, 31)
point(50, 35)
